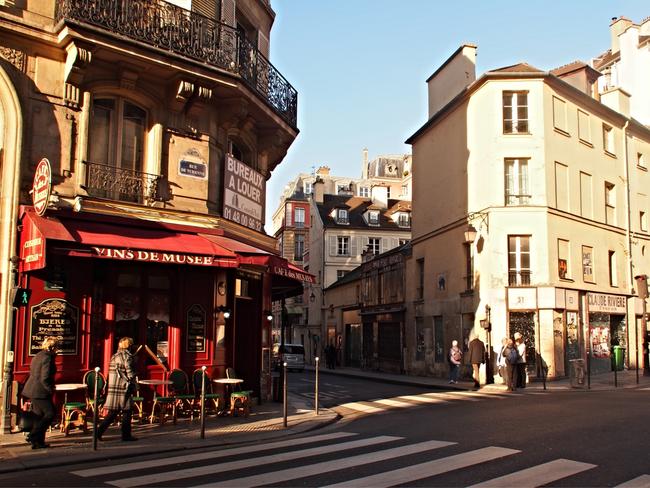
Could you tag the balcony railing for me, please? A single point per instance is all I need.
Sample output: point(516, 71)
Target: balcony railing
point(125, 185)
point(188, 34)
point(519, 278)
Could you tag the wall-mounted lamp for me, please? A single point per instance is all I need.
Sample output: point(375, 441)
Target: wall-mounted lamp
point(312, 297)
point(224, 310)
point(470, 233)
point(268, 315)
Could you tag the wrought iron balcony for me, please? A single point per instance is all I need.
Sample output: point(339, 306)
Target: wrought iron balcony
point(191, 35)
point(519, 278)
point(104, 181)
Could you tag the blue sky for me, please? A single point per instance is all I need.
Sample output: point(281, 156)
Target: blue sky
point(360, 66)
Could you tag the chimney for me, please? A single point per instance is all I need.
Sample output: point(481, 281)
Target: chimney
point(453, 76)
point(379, 196)
point(319, 189)
point(323, 171)
point(616, 28)
point(364, 167)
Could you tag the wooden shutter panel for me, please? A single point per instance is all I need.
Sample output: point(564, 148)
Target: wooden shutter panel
point(384, 244)
point(206, 7)
point(228, 12)
point(354, 252)
point(288, 216)
point(332, 245)
point(263, 44)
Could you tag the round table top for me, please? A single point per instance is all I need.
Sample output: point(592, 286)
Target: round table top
point(228, 381)
point(70, 386)
point(155, 382)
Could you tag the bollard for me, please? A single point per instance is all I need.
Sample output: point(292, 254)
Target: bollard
point(316, 392)
point(203, 368)
point(615, 373)
point(284, 394)
point(96, 412)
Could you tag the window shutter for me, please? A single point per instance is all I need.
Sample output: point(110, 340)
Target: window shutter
point(288, 214)
point(353, 247)
point(383, 244)
point(263, 44)
point(228, 12)
point(332, 245)
point(206, 7)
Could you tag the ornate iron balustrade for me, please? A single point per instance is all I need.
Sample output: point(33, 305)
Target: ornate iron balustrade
point(104, 181)
point(189, 34)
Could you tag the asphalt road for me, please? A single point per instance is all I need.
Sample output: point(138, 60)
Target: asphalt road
point(397, 436)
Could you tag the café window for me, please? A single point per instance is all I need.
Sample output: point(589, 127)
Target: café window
point(241, 287)
point(563, 259)
point(588, 264)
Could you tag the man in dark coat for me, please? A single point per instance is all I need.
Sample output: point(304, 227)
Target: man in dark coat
point(121, 386)
point(476, 357)
point(39, 388)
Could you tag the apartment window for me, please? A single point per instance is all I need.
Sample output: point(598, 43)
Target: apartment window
point(608, 139)
point(519, 260)
point(610, 203)
point(561, 187)
point(403, 219)
point(401, 242)
point(588, 264)
point(643, 221)
point(516, 177)
point(420, 290)
point(364, 191)
point(299, 217)
point(586, 196)
point(343, 246)
point(405, 190)
point(388, 192)
point(298, 247)
point(613, 279)
point(373, 217)
point(342, 189)
point(340, 273)
point(563, 259)
point(640, 160)
point(342, 216)
point(374, 245)
point(515, 112)
point(584, 127)
point(469, 267)
point(308, 188)
point(559, 115)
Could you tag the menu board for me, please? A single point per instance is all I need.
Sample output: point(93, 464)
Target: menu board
point(195, 338)
point(58, 318)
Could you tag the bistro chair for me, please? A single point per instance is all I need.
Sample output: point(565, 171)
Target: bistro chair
point(211, 398)
point(73, 414)
point(240, 401)
point(138, 403)
point(94, 405)
point(179, 389)
point(166, 408)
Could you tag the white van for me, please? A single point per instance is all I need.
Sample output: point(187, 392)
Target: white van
point(292, 354)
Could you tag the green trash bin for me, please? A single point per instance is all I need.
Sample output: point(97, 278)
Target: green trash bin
point(618, 358)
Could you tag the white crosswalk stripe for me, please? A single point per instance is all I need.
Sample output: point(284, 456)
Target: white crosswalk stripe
point(642, 481)
point(158, 478)
point(538, 475)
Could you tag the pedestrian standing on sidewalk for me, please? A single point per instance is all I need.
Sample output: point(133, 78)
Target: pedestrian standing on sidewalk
point(521, 362)
point(476, 358)
point(39, 388)
point(510, 357)
point(121, 387)
point(455, 359)
point(501, 360)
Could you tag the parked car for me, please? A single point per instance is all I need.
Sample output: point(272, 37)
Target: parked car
point(292, 354)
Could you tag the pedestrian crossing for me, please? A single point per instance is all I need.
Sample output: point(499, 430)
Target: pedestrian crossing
point(342, 459)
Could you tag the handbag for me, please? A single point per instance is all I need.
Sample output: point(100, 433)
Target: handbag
point(26, 420)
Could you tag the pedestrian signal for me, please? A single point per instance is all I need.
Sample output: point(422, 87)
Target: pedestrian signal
point(21, 297)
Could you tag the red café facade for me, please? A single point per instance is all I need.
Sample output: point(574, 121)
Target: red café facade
point(190, 296)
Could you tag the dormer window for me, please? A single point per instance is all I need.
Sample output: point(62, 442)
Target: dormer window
point(403, 219)
point(342, 216)
point(308, 187)
point(373, 217)
point(364, 191)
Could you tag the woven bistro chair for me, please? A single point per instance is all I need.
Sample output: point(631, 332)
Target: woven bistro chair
point(179, 389)
point(213, 401)
point(240, 401)
point(94, 405)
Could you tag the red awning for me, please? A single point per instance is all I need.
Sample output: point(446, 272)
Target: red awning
point(121, 242)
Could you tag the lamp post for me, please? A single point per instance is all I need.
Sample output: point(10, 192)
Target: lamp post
point(489, 377)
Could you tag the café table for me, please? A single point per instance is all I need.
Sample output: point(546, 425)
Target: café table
point(154, 384)
point(230, 384)
point(79, 408)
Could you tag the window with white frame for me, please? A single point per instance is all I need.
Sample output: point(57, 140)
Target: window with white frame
point(308, 187)
point(373, 217)
point(342, 216)
point(643, 221)
point(364, 191)
point(613, 276)
point(519, 260)
point(340, 273)
point(516, 181)
point(342, 245)
point(403, 219)
point(405, 190)
point(299, 247)
point(515, 112)
point(342, 189)
point(563, 259)
point(608, 139)
point(299, 217)
point(374, 245)
point(610, 203)
point(640, 160)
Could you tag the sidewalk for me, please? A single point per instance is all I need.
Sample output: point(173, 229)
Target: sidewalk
point(264, 424)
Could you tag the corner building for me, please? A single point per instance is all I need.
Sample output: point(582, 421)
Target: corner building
point(161, 122)
point(539, 224)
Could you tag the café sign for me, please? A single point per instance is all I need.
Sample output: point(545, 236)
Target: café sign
point(54, 317)
point(154, 256)
point(41, 186)
point(601, 302)
point(244, 194)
